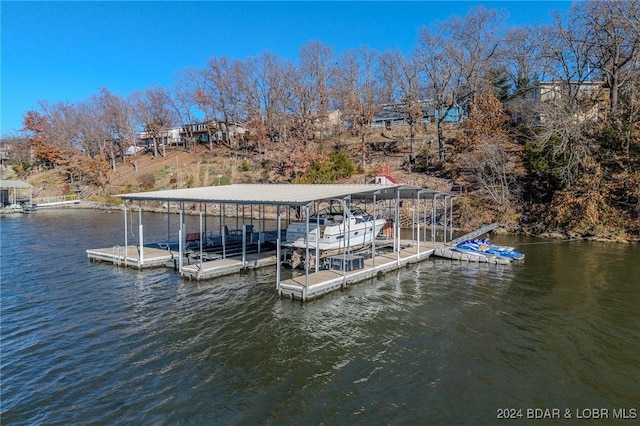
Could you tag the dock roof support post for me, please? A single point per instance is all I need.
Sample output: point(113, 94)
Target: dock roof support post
point(425, 219)
point(444, 234)
point(347, 230)
point(278, 252)
point(433, 220)
point(168, 226)
point(181, 240)
point(244, 244)
point(416, 225)
point(306, 260)
point(451, 220)
point(349, 226)
point(261, 226)
point(141, 236)
point(223, 231)
point(200, 269)
point(373, 241)
point(396, 236)
point(220, 220)
point(126, 242)
point(317, 262)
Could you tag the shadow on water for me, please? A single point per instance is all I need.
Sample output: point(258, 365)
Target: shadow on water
point(437, 342)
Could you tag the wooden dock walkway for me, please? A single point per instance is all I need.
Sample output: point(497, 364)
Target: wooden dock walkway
point(319, 283)
point(303, 287)
point(227, 266)
point(130, 256)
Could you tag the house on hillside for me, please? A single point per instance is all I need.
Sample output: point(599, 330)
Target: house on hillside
point(4, 156)
point(216, 130)
point(201, 132)
point(591, 100)
point(163, 137)
point(329, 124)
point(390, 115)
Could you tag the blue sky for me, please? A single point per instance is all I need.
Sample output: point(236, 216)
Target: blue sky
point(67, 51)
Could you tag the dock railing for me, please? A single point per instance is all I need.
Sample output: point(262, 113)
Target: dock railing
point(55, 199)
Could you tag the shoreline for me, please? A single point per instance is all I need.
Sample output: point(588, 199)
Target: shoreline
point(501, 230)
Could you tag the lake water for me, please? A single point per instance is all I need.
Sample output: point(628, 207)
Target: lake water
point(439, 342)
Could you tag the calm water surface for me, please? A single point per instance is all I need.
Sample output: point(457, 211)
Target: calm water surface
point(439, 342)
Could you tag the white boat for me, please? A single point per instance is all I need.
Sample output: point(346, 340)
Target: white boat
point(334, 228)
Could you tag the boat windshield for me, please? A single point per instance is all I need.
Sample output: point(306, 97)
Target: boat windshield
point(338, 211)
point(329, 211)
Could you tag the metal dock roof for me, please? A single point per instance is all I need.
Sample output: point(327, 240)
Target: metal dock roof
point(279, 194)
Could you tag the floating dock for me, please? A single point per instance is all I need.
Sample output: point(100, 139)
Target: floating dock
point(131, 256)
point(447, 251)
point(227, 266)
point(316, 284)
point(450, 253)
point(335, 272)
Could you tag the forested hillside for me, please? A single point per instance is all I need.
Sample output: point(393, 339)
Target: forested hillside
point(548, 139)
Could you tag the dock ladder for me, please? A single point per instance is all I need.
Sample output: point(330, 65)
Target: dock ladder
point(118, 255)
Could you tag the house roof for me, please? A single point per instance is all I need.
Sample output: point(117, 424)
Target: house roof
point(279, 194)
point(395, 112)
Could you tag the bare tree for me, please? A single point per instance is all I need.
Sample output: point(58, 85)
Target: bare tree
point(266, 95)
point(354, 88)
point(94, 135)
point(317, 67)
point(567, 99)
point(308, 88)
point(263, 87)
point(491, 161)
point(521, 59)
point(115, 118)
point(614, 39)
point(183, 102)
point(152, 110)
point(219, 94)
point(456, 57)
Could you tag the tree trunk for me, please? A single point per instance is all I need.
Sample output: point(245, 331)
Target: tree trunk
point(613, 93)
point(440, 141)
point(364, 151)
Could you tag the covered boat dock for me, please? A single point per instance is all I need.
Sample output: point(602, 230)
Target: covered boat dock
point(281, 200)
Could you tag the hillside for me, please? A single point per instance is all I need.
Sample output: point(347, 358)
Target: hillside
point(385, 154)
point(202, 167)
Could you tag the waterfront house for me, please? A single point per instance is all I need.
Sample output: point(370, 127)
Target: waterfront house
point(589, 100)
point(390, 115)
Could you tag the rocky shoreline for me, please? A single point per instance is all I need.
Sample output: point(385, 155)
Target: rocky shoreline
point(503, 230)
